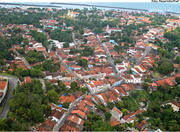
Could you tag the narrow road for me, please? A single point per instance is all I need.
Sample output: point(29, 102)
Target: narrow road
point(146, 52)
point(110, 60)
point(74, 40)
point(12, 83)
point(70, 109)
point(43, 83)
point(24, 60)
point(71, 71)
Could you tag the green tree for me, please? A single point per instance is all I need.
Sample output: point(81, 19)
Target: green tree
point(62, 87)
point(87, 51)
point(35, 72)
point(66, 105)
point(177, 60)
point(166, 67)
point(53, 96)
point(38, 36)
point(49, 65)
point(177, 80)
point(110, 105)
point(83, 62)
point(66, 45)
point(107, 115)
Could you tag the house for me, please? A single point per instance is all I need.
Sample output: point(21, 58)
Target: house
point(103, 98)
point(3, 87)
point(80, 113)
point(68, 84)
point(75, 119)
point(140, 68)
point(109, 30)
point(112, 96)
point(69, 126)
point(175, 105)
point(55, 116)
point(48, 125)
point(142, 125)
point(72, 14)
point(116, 113)
point(27, 80)
point(75, 67)
point(67, 98)
point(115, 123)
point(130, 118)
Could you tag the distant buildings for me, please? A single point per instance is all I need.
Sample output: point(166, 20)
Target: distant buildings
point(72, 14)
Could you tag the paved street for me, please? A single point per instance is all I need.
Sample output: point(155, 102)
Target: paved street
point(111, 61)
point(13, 83)
point(74, 40)
point(24, 60)
point(70, 109)
point(146, 52)
point(71, 71)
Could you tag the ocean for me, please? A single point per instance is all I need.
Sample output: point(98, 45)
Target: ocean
point(160, 7)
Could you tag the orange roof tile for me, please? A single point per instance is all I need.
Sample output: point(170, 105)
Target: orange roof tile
point(126, 87)
point(82, 114)
point(69, 98)
point(3, 85)
point(117, 110)
point(140, 125)
point(28, 80)
point(115, 123)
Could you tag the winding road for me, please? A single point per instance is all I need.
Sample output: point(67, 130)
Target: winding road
point(12, 83)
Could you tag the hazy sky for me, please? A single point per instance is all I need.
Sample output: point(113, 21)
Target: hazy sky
point(75, 1)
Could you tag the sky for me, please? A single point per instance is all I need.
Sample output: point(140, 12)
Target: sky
point(75, 1)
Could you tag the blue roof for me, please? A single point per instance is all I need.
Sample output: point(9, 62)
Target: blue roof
point(65, 94)
point(112, 41)
point(134, 73)
point(60, 105)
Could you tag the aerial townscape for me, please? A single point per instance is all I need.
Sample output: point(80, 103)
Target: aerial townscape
point(89, 69)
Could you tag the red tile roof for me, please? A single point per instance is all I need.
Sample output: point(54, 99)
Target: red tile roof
point(1, 93)
point(69, 98)
point(104, 97)
point(117, 110)
point(111, 96)
point(75, 119)
point(28, 80)
point(80, 113)
point(121, 90)
point(177, 104)
point(3, 85)
point(115, 123)
point(140, 125)
point(67, 127)
point(40, 49)
point(126, 87)
point(132, 114)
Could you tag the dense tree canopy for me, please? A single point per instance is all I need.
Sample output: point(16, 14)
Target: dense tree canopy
point(4, 49)
point(48, 65)
point(29, 72)
point(27, 104)
point(62, 36)
point(165, 67)
point(53, 96)
point(83, 62)
point(20, 18)
point(95, 123)
point(87, 51)
point(34, 57)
